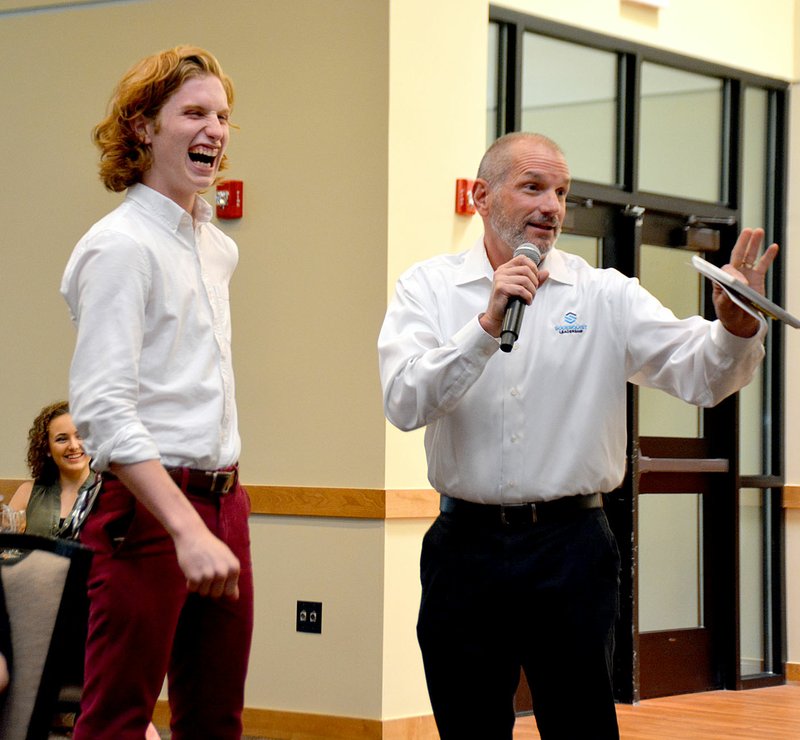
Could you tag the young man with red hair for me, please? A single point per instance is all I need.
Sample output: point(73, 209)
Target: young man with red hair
point(152, 394)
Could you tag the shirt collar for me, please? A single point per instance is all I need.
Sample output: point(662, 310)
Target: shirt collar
point(476, 266)
point(556, 265)
point(167, 209)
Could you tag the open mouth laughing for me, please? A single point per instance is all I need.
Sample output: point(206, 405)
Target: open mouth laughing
point(205, 156)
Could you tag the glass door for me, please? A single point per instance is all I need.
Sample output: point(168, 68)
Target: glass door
point(678, 481)
point(675, 516)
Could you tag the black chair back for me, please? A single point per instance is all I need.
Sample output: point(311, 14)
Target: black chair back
point(44, 580)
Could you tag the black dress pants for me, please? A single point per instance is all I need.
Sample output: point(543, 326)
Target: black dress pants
point(538, 596)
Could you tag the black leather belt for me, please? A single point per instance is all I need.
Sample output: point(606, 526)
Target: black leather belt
point(519, 514)
point(218, 482)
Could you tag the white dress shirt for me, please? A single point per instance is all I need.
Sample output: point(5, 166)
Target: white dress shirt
point(546, 420)
point(151, 377)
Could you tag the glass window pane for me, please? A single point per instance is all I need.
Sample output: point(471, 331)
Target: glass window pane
point(670, 561)
point(667, 275)
point(751, 581)
point(680, 150)
point(754, 163)
point(751, 426)
point(492, 80)
point(569, 93)
point(587, 247)
point(754, 192)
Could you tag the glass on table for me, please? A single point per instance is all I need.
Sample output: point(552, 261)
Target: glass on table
point(13, 522)
point(6, 516)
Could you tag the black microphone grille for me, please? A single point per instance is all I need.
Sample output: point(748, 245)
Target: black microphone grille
point(531, 251)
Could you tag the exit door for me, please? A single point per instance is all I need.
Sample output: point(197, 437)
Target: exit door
point(684, 487)
point(675, 515)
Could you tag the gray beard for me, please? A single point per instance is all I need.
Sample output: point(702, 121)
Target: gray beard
point(511, 234)
point(514, 235)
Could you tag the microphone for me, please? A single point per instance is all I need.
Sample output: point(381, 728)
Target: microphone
point(512, 321)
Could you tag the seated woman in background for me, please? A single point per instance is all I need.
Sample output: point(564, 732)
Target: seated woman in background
point(60, 469)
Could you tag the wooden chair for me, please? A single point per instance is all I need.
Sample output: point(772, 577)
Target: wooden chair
point(44, 581)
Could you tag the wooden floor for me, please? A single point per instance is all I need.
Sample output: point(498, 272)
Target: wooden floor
point(760, 714)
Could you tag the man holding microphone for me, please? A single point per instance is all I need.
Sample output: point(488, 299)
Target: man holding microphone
point(520, 570)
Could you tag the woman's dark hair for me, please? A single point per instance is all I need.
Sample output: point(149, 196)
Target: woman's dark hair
point(42, 466)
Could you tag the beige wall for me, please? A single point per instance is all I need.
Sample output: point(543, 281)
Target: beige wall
point(312, 106)
point(437, 132)
point(308, 297)
point(404, 692)
point(796, 23)
point(356, 117)
point(338, 672)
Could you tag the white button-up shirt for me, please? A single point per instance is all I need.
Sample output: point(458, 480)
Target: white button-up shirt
point(547, 419)
point(152, 377)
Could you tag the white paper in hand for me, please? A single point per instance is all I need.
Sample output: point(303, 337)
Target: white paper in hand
point(742, 294)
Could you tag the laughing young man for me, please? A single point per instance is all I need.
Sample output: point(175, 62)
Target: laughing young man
point(152, 393)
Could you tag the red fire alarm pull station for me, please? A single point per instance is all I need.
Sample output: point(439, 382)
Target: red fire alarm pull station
point(230, 194)
point(464, 204)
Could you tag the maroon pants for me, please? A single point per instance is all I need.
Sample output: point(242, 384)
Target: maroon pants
point(145, 625)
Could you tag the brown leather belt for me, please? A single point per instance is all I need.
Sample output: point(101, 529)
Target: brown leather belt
point(211, 482)
point(512, 515)
point(217, 482)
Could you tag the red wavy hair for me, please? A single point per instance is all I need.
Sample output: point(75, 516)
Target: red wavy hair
point(141, 93)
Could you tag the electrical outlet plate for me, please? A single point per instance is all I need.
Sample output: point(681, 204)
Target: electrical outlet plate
point(309, 617)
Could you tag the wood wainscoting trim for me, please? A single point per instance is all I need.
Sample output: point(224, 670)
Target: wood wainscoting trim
point(791, 497)
point(8, 487)
point(411, 728)
point(356, 503)
point(793, 671)
point(353, 503)
point(300, 726)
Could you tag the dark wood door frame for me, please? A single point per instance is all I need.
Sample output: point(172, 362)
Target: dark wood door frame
point(680, 661)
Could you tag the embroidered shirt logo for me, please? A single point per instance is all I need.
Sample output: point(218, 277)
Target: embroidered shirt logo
point(570, 324)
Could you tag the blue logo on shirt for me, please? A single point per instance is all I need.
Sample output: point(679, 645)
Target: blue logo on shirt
point(571, 325)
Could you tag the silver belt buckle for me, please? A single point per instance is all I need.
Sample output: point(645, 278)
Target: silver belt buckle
point(224, 477)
